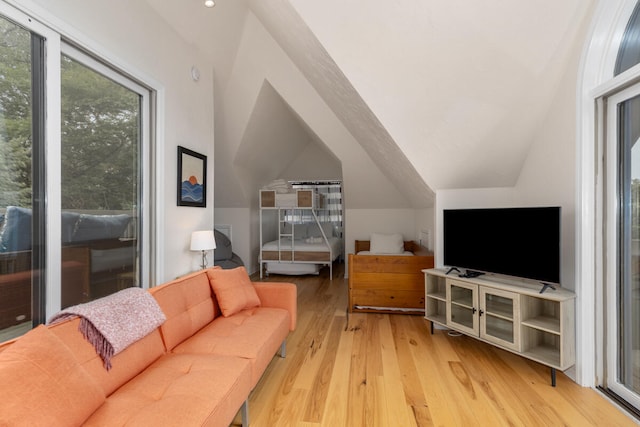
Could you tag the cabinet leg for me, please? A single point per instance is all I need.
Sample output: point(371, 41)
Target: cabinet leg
point(553, 377)
point(431, 328)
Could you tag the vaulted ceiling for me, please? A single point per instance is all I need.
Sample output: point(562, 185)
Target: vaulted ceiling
point(436, 95)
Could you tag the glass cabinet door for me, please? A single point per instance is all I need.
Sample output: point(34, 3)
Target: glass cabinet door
point(498, 317)
point(463, 302)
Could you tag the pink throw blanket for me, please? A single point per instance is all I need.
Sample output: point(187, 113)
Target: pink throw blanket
point(114, 322)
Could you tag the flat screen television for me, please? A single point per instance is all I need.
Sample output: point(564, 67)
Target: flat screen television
point(523, 242)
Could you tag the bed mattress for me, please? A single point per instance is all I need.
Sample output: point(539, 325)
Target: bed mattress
point(302, 245)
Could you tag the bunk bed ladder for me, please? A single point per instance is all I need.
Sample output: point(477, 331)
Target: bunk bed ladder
point(326, 241)
point(282, 220)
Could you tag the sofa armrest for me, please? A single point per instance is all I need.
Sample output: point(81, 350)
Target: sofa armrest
point(279, 295)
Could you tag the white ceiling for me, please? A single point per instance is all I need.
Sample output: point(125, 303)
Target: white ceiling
point(439, 94)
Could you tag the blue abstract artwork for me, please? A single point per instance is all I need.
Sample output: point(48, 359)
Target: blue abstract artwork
point(192, 178)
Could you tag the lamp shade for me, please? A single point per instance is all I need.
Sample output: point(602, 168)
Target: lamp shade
point(202, 240)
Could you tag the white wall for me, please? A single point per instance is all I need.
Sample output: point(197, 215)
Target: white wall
point(425, 228)
point(314, 163)
point(360, 223)
point(142, 44)
point(260, 58)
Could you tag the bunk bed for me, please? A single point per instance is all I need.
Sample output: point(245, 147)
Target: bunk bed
point(293, 241)
point(388, 283)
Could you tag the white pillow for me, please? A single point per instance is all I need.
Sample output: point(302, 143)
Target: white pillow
point(386, 243)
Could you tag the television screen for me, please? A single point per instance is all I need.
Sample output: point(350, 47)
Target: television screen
point(520, 242)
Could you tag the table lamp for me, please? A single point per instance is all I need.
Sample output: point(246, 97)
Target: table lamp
point(203, 241)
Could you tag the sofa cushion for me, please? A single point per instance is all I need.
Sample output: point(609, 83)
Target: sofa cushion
point(125, 365)
point(188, 305)
point(179, 390)
point(254, 334)
point(43, 383)
point(233, 290)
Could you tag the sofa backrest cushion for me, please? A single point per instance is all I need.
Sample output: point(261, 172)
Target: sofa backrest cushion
point(124, 365)
point(16, 231)
point(43, 383)
point(100, 227)
point(69, 221)
point(233, 290)
point(188, 304)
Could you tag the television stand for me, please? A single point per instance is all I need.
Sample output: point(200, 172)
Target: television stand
point(513, 316)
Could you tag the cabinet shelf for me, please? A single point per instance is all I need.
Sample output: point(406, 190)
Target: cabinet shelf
point(545, 354)
point(544, 323)
point(499, 328)
point(463, 302)
point(442, 296)
point(438, 318)
point(500, 309)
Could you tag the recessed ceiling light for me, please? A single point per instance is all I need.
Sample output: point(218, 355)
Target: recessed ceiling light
point(209, 3)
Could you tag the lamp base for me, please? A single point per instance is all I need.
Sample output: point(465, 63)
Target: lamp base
point(204, 260)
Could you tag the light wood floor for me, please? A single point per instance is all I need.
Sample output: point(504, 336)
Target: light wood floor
point(387, 370)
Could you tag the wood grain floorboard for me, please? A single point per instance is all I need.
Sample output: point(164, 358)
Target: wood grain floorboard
point(372, 369)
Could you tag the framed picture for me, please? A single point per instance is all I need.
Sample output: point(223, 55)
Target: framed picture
point(192, 178)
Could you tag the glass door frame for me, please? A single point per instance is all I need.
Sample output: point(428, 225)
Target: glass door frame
point(51, 152)
point(614, 214)
point(54, 44)
point(144, 161)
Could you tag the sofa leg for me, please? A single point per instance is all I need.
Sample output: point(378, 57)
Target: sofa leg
point(283, 349)
point(245, 413)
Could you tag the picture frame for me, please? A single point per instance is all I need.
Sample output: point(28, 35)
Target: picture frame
point(192, 178)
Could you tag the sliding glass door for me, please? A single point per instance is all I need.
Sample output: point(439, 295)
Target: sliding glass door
point(75, 175)
point(622, 284)
point(100, 165)
point(21, 184)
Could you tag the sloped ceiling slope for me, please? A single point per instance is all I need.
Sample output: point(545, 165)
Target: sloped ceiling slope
point(457, 89)
point(438, 95)
point(276, 138)
point(291, 32)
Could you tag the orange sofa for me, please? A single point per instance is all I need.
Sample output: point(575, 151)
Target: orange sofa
point(197, 369)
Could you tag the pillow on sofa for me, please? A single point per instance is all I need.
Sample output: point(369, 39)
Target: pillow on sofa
point(233, 290)
point(51, 388)
point(386, 243)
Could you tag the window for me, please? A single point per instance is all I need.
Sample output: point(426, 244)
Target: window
point(620, 345)
point(75, 176)
point(20, 287)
